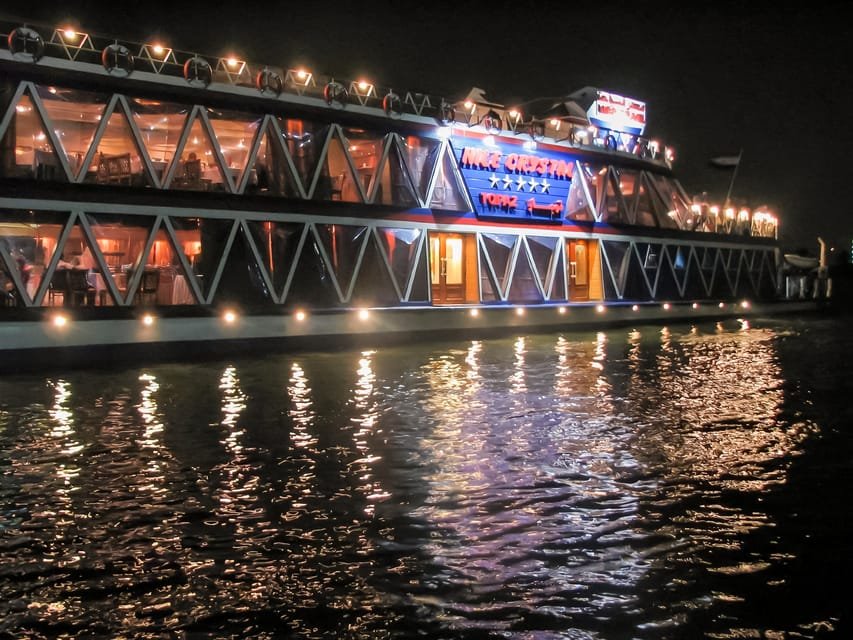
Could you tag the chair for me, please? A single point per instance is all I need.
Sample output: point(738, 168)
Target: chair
point(191, 176)
point(58, 286)
point(114, 169)
point(148, 286)
point(79, 289)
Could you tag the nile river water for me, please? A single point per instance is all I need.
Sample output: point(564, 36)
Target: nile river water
point(656, 482)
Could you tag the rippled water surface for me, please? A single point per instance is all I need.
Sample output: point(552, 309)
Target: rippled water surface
point(652, 483)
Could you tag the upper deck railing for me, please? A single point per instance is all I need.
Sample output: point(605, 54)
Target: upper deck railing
point(121, 58)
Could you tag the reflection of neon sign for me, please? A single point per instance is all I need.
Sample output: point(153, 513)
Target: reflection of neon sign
point(515, 163)
point(619, 113)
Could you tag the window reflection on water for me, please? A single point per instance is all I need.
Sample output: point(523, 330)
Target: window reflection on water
point(562, 475)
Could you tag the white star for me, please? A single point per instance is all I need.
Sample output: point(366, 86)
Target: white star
point(545, 185)
point(533, 184)
point(507, 182)
point(521, 182)
point(494, 180)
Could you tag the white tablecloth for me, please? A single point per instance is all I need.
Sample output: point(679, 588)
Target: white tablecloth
point(181, 293)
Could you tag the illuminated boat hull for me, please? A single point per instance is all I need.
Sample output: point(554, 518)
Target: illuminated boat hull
point(152, 208)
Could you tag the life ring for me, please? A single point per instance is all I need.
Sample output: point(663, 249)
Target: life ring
point(392, 105)
point(197, 71)
point(268, 81)
point(117, 59)
point(26, 43)
point(610, 142)
point(335, 92)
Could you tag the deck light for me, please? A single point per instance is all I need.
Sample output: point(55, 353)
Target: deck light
point(722, 305)
point(69, 33)
point(300, 316)
point(301, 74)
point(59, 320)
point(745, 304)
point(514, 114)
point(474, 313)
point(229, 316)
point(364, 86)
point(147, 319)
point(158, 49)
point(468, 105)
point(636, 307)
point(695, 305)
point(666, 306)
point(519, 311)
point(232, 62)
point(555, 122)
point(599, 308)
point(363, 314)
point(561, 310)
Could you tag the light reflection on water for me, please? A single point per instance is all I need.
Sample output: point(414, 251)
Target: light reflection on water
point(631, 483)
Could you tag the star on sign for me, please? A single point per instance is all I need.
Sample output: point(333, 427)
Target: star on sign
point(521, 182)
point(507, 182)
point(545, 185)
point(494, 180)
point(533, 184)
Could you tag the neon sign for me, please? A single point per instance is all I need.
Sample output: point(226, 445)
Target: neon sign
point(612, 111)
point(515, 163)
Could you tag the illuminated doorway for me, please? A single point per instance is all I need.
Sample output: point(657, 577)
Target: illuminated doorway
point(578, 269)
point(447, 267)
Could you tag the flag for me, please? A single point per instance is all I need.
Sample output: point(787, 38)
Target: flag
point(726, 161)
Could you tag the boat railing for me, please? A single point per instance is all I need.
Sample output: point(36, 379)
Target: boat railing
point(33, 42)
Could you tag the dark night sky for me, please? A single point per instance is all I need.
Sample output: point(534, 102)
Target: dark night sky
point(716, 77)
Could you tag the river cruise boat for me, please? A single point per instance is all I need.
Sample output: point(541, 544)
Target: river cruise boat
point(153, 199)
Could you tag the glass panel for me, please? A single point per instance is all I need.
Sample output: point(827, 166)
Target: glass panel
point(616, 253)
point(365, 149)
point(523, 287)
point(198, 168)
point(277, 243)
point(499, 248)
point(644, 213)
point(83, 281)
point(203, 242)
point(235, 133)
point(449, 190)
point(241, 281)
point(342, 244)
point(629, 187)
point(121, 240)
point(667, 285)
point(33, 153)
point(74, 115)
point(677, 210)
point(708, 259)
point(542, 250)
point(336, 181)
point(304, 140)
point(488, 290)
point(171, 286)
point(117, 160)
point(312, 282)
point(651, 259)
point(394, 187)
point(595, 176)
point(612, 209)
point(271, 174)
point(401, 248)
point(636, 287)
point(558, 288)
point(30, 239)
point(420, 155)
point(435, 260)
point(373, 285)
point(581, 264)
point(160, 124)
point(579, 207)
point(420, 284)
point(453, 265)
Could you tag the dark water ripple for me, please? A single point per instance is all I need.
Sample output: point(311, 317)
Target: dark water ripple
point(651, 483)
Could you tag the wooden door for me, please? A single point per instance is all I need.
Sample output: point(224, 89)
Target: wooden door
point(447, 267)
point(578, 270)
